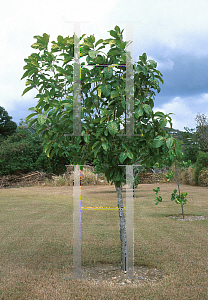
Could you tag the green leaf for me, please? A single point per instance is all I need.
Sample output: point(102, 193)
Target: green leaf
point(117, 29)
point(143, 57)
point(35, 45)
point(60, 151)
point(118, 176)
point(106, 89)
point(113, 34)
point(169, 142)
point(156, 190)
point(122, 156)
point(162, 122)
point(158, 141)
point(108, 72)
point(152, 63)
point(159, 114)
point(113, 52)
point(27, 89)
point(25, 74)
point(47, 148)
point(99, 42)
point(159, 199)
point(129, 153)
point(179, 154)
point(138, 113)
point(123, 102)
point(60, 39)
point(91, 38)
point(98, 133)
point(41, 119)
point(53, 152)
point(86, 138)
point(96, 150)
point(31, 115)
point(88, 43)
point(99, 91)
point(32, 122)
point(183, 195)
point(105, 145)
point(114, 94)
point(147, 109)
point(96, 143)
point(112, 127)
point(93, 53)
point(100, 57)
point(103, 119)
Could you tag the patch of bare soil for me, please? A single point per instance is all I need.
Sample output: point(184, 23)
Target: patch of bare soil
point(188, 217)
point(112, 275)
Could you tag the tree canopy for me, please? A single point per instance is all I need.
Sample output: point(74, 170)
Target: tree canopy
point(7, 126)
point(202, 131)
point(102, 89)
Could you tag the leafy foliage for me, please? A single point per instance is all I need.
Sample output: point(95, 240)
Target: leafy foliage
point(201, 164)
point(7, 127)
point(23, 152)
point(18, 153)
point(190, 146)
point(102, 89)
point(202, 131)
point(158, 199)
point(179, 199)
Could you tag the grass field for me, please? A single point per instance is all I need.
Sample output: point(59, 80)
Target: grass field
point(36, 234)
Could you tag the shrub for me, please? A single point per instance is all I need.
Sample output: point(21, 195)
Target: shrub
point(191, 153)
point(55, 165)
point(188, 176)
point(201, 164)
point(203, 177)
point(23, 152)
point(19, 152)
point(7, 126)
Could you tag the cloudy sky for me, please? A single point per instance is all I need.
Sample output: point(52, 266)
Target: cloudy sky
point(172, 32)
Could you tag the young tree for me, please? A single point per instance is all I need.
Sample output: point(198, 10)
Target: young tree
point(7, 127)
point(50, 71)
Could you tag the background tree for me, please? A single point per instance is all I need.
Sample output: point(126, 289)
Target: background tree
point(23, 152)
point(202, 131)
point(190, 147)
point(201, 164)
point(103, 106)
point(7, 127)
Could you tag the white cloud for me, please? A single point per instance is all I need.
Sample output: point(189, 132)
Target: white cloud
point(162, 24)
point(167, 64)
point(185, 110)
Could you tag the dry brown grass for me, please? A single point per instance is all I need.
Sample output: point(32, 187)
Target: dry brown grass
point(87, 178)
point(36, 243)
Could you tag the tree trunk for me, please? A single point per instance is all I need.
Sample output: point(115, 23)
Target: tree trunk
point(179, 192)
point(122, 227)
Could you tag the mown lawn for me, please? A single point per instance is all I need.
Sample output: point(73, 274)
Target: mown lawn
point(36, 233)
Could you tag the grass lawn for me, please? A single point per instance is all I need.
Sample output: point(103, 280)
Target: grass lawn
point(36, 234)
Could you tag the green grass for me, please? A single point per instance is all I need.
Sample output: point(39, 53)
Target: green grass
point(36, 232)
